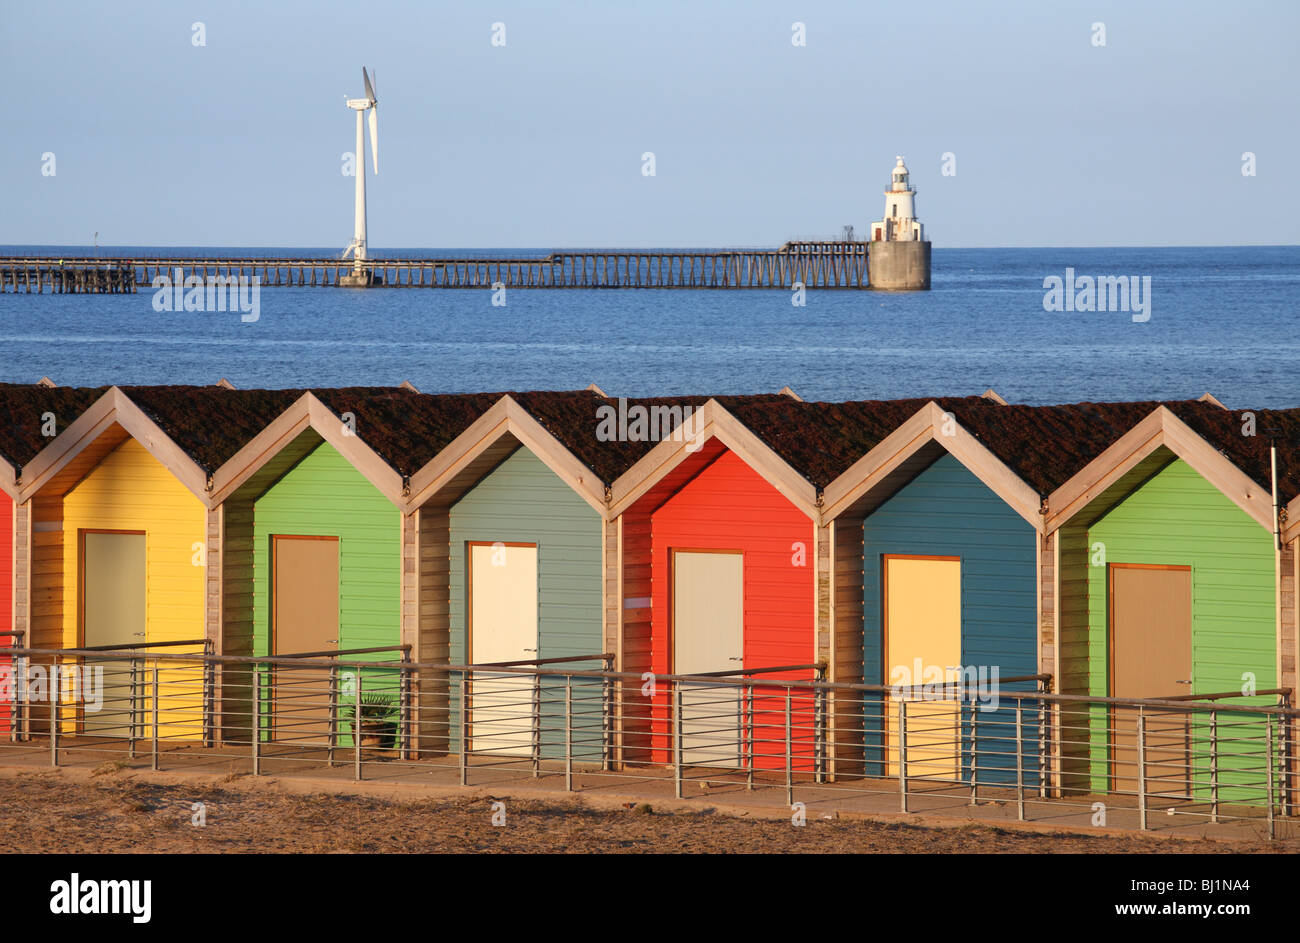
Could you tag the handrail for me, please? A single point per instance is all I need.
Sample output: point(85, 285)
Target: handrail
point(818, 666)
point(131, 648)
point(1283, 692)
point(603, 656)
point(406, 649)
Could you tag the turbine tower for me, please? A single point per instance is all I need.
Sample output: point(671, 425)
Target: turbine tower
point(361, 276)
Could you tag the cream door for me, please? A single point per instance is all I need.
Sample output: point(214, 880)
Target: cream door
point(709, 635)
point(113, 613)
point(922, 644)
point(502, 627)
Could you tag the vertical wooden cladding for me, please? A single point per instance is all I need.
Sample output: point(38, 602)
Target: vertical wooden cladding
point(844, 714)
point(522, 501)
point(729, 506)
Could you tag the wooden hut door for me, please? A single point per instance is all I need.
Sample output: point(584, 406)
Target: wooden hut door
point(113, 613)
point(1150, 656)
point(503, 604)
point(304, 618)
point(708, 634)
point(922, 628)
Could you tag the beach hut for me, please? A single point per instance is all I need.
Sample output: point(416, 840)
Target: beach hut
point(512, 530)
point(1173, 581)
point(935, 537)
point(117, 528)
point(314, 519)
point(717, 548)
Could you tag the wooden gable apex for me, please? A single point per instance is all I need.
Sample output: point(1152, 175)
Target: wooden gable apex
point(708, 423)
point(290, 436)
point(1138, 453)
point(909, 450)
point(488, 441)
point(106, 424)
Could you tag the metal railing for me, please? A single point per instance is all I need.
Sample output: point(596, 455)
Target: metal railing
point(1012, 745)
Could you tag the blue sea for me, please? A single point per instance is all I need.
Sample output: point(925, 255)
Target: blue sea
point(1222, 320)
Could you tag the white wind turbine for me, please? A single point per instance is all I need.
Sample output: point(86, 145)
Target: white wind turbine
point(362, 105)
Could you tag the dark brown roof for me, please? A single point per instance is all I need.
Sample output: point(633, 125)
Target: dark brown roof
point(210, 423)
point(22, 408)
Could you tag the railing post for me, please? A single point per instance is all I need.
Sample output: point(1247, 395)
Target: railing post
point(1142, 767)
point(1272, 823)
point(154, 713)
point(55, 694)
point(789, 750)
point(404, 701)
point(357, 727)
point(1020, 760)
point(568, 733)
point(974, 753)
point(255, 733)
point(132, 707)
point(819, 739)
point(606, 722)
point(537, 724)
point(677, 739)
point(333, 713)
point(749, 735)
point(209, 697)
point(902, 753)
point(1042, 749)
point(1214, 766)
point(461, 687)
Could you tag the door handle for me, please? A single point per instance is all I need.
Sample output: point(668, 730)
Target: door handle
point(734, 658)
point(530, 649)
point(1188, 681)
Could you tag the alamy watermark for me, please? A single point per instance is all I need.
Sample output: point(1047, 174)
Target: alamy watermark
point(919, 681)
point(76, 684)
point(1103, 293)
point(655, 423)
point(242, 293)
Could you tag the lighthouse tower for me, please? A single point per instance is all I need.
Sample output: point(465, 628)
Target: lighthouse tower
point(898, 258)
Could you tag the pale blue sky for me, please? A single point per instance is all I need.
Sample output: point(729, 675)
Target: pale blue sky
point(539, 143)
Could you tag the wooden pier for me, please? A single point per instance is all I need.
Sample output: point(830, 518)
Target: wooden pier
point(813, 264)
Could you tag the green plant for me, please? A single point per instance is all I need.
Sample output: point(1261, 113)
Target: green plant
point(379, 714)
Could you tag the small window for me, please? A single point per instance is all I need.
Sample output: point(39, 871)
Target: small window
point(894, 210)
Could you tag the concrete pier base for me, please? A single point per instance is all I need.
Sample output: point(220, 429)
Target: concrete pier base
point(898, 266)
point(357, 278)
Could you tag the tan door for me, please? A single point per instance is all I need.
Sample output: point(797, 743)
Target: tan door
point(922, 603)
point(113, 613)
point(709, 635)
point(304, 618)
point(502, 628)
point(1150, 656)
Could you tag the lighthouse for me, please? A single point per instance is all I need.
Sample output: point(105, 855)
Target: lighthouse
point(898, 258)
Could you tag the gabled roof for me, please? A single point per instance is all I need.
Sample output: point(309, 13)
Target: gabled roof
point(108, 422)
point(1209, 439)
point(23, 409)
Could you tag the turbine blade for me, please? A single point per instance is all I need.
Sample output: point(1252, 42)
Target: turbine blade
point(374, 136)
point(370, 89)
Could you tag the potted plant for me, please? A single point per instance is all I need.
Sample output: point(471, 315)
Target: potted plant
point(379, 716)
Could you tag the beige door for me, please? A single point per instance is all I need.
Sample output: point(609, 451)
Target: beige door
point(1150, 656)
point(708, 636)
point(113, 613)
point(305, 618)
point(503, 607)
point(922, 603)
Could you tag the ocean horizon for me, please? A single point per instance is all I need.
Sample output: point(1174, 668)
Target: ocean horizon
point(1220, 320)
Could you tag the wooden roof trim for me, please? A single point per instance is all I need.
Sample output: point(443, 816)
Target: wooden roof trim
point(925, 426)
point(992, 394)
point(736, 436)
point(593, 388)
point(1160, 428)
point(991, 470)
point(655, 465)
point(866, 473)
point(263, 447)
point(1238, 487)
point(1091, 481)
point(555, 456)
point(353, 447)
point(789, 391)
point(459, 453)
point(1210, 398)
point(1291, 530)
point(710, 421)
point(114, 407)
